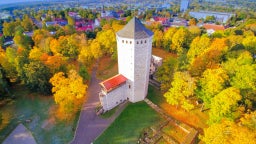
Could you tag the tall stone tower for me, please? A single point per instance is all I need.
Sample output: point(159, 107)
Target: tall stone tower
point(134, 46)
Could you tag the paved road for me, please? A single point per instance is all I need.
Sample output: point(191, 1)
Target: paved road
point(90, 126)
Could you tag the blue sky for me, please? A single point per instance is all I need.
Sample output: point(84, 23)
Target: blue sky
point(15, 1)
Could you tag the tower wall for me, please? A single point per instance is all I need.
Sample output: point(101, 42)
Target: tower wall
point(142, 58)
point(134, 57)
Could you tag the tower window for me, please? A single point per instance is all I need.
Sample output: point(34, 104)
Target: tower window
point(137, 42)
point(145, 41)
point(141, 42)
point(122, 41)
point(129, 86)
point(126, 41)
point(130, 42)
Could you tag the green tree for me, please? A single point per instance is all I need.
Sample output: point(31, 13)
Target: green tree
point(37, 77)
point(84, 73)
point(165, 73)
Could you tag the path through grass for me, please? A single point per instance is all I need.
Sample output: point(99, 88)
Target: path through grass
point(129, 125)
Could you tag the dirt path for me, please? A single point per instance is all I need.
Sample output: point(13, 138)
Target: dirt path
point(89, 125)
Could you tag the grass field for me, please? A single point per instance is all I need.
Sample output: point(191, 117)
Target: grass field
point(107, 68)
point(129, 125)
point(39, 110)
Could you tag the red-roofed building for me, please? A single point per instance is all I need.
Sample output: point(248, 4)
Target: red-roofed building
point(113, 82)
point(85, 28)
point(113, 91)
point(211, 28)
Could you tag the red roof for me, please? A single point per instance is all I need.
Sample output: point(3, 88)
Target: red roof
point(113, 82)
point(214, 27)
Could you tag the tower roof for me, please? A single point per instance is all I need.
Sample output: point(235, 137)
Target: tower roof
point(135, 30)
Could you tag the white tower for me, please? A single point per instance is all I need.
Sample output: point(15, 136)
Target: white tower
point(134, 46)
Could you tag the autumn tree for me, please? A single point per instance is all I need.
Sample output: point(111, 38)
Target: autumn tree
point(228, 132)
point(249, 120)
point(212, 82)
point(69, 93)
point(9, 28)
point(210, 58)
point(42, 39)
point(224, 105)
point(242, 73)
point(197, 47)
point(158, 39)
point(250, 44)
point(180, 40)
point(107, 40)
point(183, 86)
point(27, 23)
point(167, 38)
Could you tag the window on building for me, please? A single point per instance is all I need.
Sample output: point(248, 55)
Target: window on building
point(126, 42)
point(122, 41)
point(145, 41)
point(141, 42)
point(137, 42)
point(129, 86)
point(130, 42)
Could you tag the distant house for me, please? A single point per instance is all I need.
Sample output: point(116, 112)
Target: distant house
point(30, 34)
point(211, 28)
point(61, 22)
point(72, 14)
point(85, 28)
point(178, 22)
point(156, 62)
point(160, 20)
point(51, 23)
point(96, 23)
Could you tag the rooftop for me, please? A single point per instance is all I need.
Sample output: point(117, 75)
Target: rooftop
point(214, 27)
point(135, 30)
point(113, 82)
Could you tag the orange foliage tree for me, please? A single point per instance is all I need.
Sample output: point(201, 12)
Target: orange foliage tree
point(69, 93)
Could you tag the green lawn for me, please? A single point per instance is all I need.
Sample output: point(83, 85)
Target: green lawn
point(129, 125)
point(155, 95)
point(39, 109)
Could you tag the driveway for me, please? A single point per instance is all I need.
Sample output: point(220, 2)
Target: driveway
point(90, 126)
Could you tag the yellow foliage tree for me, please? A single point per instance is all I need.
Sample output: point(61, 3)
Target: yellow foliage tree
point(69, 93)
point(228, 132)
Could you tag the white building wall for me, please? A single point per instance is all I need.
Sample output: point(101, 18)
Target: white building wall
point(134, 57)
point(125, 49)
point(114, 97)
